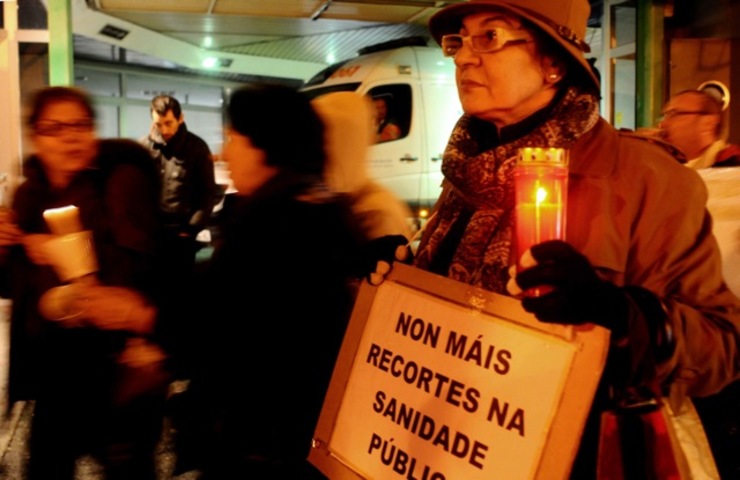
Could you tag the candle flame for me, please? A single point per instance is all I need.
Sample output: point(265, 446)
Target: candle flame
point(540, 195)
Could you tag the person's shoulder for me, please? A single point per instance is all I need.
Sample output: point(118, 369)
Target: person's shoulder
point(194, 137)
point(195, 141)
point(114, 152)
point(122, 147)
point(644, 162)
point(659, 166)
point(728, 156)
point(652, 142)
point(654, 160)
point(604, 151)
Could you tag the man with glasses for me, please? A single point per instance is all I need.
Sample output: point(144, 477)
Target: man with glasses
point(692, 121)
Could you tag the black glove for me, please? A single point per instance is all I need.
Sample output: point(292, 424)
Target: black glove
point(381, 249)
point(578, 295)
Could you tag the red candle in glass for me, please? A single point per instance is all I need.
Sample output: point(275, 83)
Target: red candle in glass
point(541, 186)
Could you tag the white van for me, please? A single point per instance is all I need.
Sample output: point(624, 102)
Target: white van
point(418, 84)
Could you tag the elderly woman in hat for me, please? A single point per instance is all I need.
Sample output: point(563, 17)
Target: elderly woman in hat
point(639, 256)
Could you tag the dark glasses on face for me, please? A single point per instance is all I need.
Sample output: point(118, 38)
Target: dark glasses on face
point(48, 128)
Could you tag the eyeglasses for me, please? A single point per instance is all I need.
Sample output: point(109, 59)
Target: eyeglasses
point(669, 114)
point(55, 129)
point(491, 40)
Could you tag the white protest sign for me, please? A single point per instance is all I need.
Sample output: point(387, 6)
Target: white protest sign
point(723, 186)
point(437, 390)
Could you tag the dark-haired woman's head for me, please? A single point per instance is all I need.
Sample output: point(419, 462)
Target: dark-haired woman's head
point(275, 126)
point(281, 121)
point(62, 125)
point(45, 97)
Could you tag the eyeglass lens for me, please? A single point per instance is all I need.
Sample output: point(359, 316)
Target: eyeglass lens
point(488, 41)
point(52, 129)
point(668, 114)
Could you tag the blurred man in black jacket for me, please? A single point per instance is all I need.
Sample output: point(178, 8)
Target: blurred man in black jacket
point(187, 196)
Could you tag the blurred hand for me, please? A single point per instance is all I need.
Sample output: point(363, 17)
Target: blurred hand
point(364, 259)
point(10, 234)
point(575, 293)
point(401, 253)
point(115, 308)
point(141, 353)
point(34, 245)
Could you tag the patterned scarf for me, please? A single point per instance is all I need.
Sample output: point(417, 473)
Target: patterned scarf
point(479, 184)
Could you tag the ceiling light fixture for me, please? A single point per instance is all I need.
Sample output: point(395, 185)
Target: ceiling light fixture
point(213, 62)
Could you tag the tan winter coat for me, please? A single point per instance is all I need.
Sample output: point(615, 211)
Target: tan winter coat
point(652, 230)
point(639, 216)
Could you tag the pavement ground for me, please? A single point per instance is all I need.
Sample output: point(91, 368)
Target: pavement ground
point(15, 429)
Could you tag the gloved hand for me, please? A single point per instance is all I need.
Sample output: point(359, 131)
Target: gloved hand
point(379, 254)
point(575, 294)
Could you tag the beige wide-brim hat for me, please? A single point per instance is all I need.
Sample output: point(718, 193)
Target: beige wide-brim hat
point(563, 20)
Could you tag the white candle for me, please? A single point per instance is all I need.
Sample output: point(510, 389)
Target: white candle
point(63, 220)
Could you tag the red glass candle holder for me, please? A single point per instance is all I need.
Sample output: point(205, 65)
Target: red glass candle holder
point(541, 185)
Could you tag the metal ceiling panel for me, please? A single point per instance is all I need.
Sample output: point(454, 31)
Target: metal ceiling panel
point(273, 8)
point(277, 29)
point(328, 47)
point(172, 22)
point(191, 6)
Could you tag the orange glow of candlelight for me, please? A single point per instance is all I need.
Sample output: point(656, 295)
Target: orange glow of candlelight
point(540, 207)
point(541, 195)
point(541, 187)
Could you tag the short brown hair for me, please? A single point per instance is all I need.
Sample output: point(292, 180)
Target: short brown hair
point(51, 95)
point(166, 103)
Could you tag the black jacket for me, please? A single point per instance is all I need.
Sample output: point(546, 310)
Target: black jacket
point(116, 198)
point(279, 300)
point(188, 189)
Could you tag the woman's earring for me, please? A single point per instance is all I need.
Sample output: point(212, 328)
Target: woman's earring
point(553, 77)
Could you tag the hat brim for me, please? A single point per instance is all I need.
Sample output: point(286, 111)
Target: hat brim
point(449, 20)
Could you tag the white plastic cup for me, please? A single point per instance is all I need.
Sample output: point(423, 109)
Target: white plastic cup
point(72, 255)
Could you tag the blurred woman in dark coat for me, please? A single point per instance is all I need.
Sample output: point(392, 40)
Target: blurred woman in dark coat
point(90, 360)
point(277, 295)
